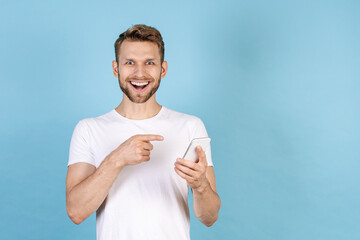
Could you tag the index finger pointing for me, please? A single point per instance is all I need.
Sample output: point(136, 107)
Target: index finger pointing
point(150, 137)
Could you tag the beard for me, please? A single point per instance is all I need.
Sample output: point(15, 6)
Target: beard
point(136, 97)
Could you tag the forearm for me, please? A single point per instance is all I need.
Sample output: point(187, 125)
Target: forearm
point(86, 197)
point(206, 204)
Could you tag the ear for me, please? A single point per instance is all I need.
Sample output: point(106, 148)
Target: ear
point(164, 68)
point(115, 68)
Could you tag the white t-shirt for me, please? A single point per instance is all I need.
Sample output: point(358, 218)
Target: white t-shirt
point(147, 200)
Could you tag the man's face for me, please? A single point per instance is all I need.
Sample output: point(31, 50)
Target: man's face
point(139, 69)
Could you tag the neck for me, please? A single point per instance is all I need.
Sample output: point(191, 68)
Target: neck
point(138, 111)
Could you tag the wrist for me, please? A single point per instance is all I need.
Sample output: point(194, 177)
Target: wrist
point(115, 161)
point(204, 187)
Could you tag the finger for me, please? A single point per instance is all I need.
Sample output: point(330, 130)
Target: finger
point(188, 171)
point(201, 154)
point(148, 146)
point(183, 175)
point(150, 137)
point(187, 163)
point(145, 152)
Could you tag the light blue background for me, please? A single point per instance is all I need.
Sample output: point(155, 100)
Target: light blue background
point(275, 82)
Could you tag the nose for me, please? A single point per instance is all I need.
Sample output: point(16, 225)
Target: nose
point(139, 71)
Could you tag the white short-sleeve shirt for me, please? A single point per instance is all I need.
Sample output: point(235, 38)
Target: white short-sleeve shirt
point(147, 200)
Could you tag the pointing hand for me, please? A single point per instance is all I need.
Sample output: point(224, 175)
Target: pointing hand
point(135, 150)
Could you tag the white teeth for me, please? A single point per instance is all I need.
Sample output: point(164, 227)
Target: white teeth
point(139, 83)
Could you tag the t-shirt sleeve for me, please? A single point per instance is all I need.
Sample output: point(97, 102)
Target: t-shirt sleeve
point(80, 150)
point(200, 131)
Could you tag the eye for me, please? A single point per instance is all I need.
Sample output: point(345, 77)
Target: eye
point(129, 63)
point(149, 63)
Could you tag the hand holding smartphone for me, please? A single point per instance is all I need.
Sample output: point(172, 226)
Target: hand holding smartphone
point(191, 153)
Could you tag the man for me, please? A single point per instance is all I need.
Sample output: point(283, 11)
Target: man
point(125, 164)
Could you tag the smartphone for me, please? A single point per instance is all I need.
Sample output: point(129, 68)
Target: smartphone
point(191, 153)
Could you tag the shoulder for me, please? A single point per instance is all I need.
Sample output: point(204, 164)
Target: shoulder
point(193, 123)
point(90, 122)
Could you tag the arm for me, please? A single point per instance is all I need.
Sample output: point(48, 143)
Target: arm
point(206, 200)
point(201, 179)
point(87, 187)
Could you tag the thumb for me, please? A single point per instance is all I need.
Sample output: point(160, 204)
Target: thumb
point(201, 154)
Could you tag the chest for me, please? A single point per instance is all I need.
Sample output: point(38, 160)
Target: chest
point(106, 139)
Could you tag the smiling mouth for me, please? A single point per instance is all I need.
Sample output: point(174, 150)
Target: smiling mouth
point(139, 86)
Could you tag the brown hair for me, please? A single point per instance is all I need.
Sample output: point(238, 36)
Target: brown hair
point(140, 32)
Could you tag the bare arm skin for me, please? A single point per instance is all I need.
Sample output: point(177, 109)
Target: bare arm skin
point(87, 187)
point(201, 179)
point(206, 200)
